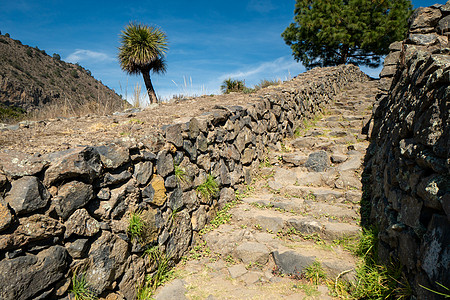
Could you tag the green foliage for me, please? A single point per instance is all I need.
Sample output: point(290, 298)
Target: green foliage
point(29, 52)
point(56, 56)
point(333, 32)
point(223, 216)
point(180, 173)
point(445, 294)
point(136, 226)
point(265, 83)
point(11, 114)
point(7, 35)
point(142, 50)
point(232, 85)
point(315, 273)
point(74, 73)
point(80, 289)
point(209, 189)
point(373, 280)
point(162, 274)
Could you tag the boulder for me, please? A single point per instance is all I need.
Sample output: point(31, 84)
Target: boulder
point(77, 248)
point(5, 215)
point(113, 156)
point(26, 276)
point(173, 134)
point(107, 256)
point(143, 171)
point(252, 252)
point(290, 262)
point(114, 179)
point(79, 163)
point(71, 196)
point(82, 224)
point(164, 163)
point(159, 191)
point(173, 290)
point(16, 164)
point(133, 277)
point(318, 161)
point(424, 17)
point(180, 235)
point(27, 195)
point(31, 229)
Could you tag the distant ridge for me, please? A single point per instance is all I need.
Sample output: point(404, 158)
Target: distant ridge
point(31, 80)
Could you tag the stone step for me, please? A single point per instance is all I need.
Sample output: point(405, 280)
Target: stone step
point(322, 221)
point(294, 261)
point(314, 193)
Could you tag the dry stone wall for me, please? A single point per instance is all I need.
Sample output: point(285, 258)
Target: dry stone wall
point(69, 211)
point(408, 161)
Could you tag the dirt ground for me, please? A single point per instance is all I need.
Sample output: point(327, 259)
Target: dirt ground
point(64, 133)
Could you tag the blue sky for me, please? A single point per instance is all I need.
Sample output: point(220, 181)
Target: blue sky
point(209, 40)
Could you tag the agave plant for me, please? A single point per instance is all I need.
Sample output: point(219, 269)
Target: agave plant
point(142, 50)
point(232, 85)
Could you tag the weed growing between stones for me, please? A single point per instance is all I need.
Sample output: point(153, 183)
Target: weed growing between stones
point(222, 217)
point(209, 189)
point(245, 192)
point(80, 287)
point(136, 226)
point(373, 281)
point(315, 273)
point(180, 174)
point(200, 250)
point(164, 272)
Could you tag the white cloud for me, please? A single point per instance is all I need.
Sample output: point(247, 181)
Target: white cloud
point(272, 68)
point(261, 6)
point(86, 55)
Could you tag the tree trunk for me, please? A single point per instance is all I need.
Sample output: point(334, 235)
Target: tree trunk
point(344, 54)
point(149, 87)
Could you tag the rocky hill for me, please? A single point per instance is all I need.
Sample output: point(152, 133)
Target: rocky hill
point(30, 79)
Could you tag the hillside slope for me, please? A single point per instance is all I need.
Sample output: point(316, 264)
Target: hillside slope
point(30, 79)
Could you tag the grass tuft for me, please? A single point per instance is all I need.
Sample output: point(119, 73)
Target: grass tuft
point(209, 189)
point(315, 273)
point(80, 288)
point(136, 226)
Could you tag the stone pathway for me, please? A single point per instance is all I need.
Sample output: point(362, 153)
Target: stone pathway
point(301, 208)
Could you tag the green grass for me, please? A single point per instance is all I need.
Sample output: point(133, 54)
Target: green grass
point(209, 189)
point(80, 288)
point(180, 174)
point(373, 280)
point(136, 226)
point(222, 217)
point(315, 273)
point(164, 273)
point(444, 294)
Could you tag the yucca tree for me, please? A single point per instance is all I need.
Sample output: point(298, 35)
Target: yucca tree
point(142, 50)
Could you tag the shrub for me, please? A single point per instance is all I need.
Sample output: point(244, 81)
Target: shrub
point(265, 83)
point(11, 113)
point(231, 85)
point(30, 52)
point(7, 35)
point(56, 56)
point(74, 74)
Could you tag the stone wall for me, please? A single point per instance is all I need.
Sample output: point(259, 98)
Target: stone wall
point(69, 211)
point(407, 175)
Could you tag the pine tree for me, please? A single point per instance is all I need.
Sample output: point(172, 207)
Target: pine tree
point(333, 32)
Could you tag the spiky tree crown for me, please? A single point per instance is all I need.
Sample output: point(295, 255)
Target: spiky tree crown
point(142, 49)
